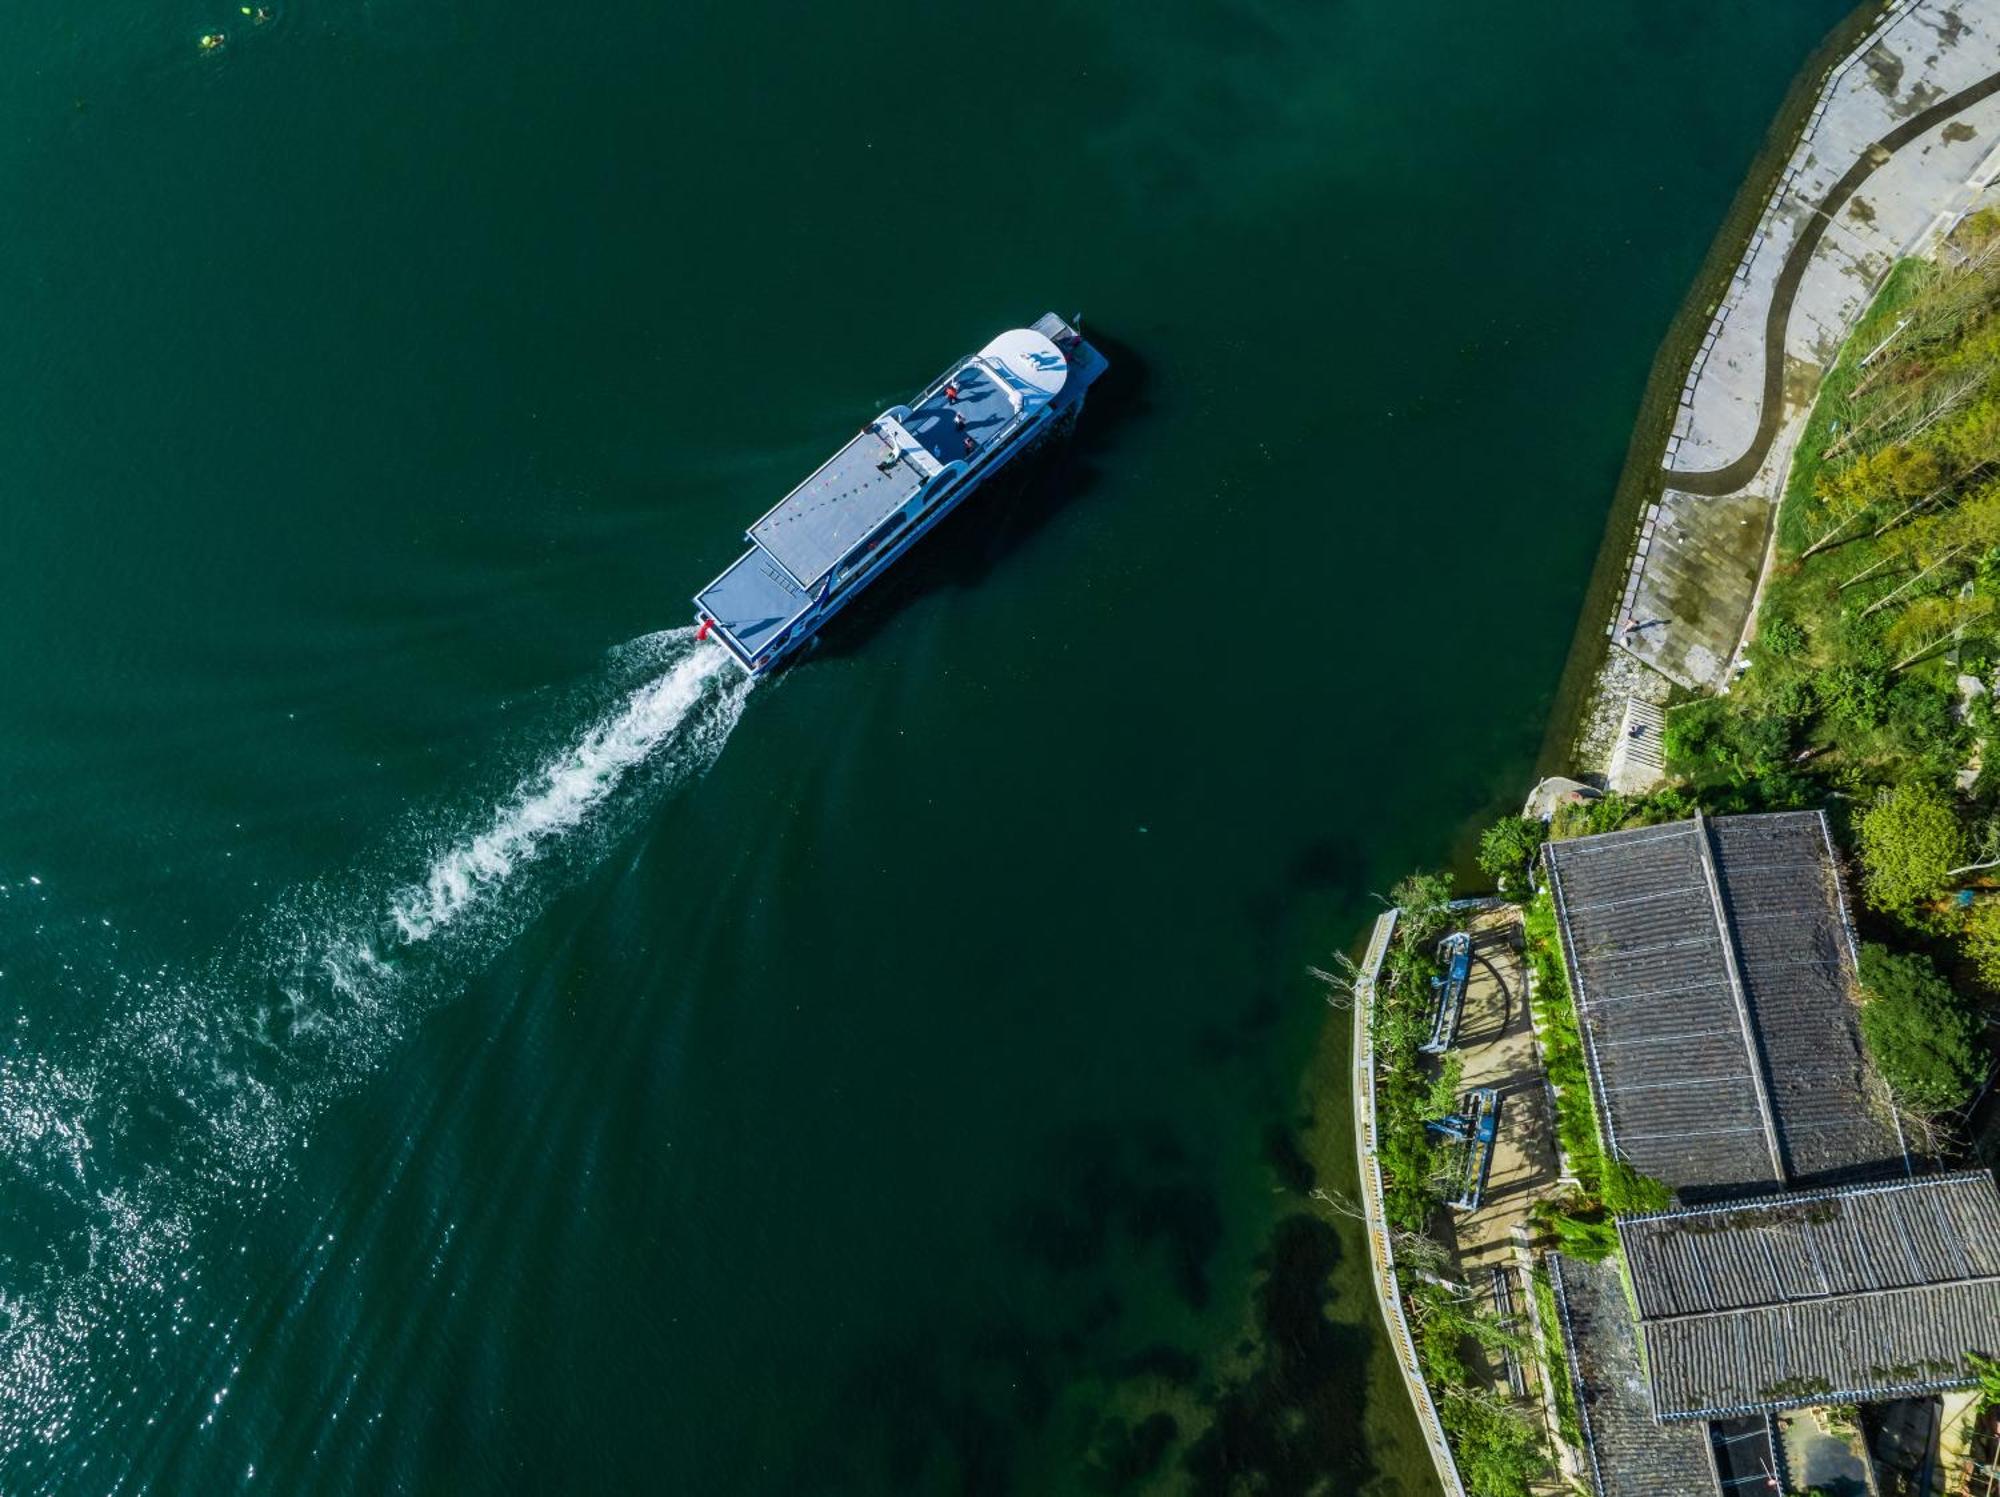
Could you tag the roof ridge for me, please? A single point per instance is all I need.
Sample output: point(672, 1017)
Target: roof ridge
point(1807, 1197)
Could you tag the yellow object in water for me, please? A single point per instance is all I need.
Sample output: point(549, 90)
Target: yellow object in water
point(212, 41)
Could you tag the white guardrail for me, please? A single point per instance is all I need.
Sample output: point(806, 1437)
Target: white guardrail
point(1381, 1250)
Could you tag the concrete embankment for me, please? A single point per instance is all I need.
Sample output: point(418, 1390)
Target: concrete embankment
point(1891, 135)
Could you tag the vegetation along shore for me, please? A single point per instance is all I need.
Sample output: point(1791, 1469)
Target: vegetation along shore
point(1682, 1131)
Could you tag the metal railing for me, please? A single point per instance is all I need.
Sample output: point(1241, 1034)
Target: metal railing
point(1381, 1249)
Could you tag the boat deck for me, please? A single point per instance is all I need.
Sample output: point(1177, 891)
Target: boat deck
point(982, 403)
point(852, 493)
point(753, 601)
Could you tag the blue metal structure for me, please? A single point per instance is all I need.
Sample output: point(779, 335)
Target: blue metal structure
point(820, 545)
point(1476, 1128)
point(1448, 992)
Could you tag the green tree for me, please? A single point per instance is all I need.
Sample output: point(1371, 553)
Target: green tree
point(1507, 849)
point(1442, 1098)
point(1790, 694)
point(1499, 1452)
point(1696, 739)
point(1422, 898)
point(1910, 839)
point(1759, 746)
point(1982, 942)
point(1919, 714)
point(1922, 1035)
point(1855, 696)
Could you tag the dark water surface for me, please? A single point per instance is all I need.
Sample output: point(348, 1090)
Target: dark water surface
point(434, 1061)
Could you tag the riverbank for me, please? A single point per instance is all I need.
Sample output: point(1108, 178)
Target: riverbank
point(1676, 582)
point(1884, 146)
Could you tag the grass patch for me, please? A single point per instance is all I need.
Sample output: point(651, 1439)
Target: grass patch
point(1556, 1359)
point(1833, 403)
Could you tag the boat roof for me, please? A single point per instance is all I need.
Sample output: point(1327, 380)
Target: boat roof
point(881, 468)
point(851, 493)
point(753, 601)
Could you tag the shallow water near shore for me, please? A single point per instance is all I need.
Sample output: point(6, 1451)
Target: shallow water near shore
point(459, 1037)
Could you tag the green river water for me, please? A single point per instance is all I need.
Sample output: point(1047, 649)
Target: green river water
point(455, 1041)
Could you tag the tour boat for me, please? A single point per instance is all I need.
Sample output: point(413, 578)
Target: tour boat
point(902, 473)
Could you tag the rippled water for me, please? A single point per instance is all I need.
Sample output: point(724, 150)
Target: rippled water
point(450, 1050)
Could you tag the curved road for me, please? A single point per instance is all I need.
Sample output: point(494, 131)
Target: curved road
point(1727, 480)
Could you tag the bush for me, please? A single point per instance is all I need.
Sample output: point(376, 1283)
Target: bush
point(1696, 739)
point(1499, 1452)
point(1557, 1366)
point(1919, 714)
point(1910, 839)
point(1790, 695)
point(1422, 898)
point(1855, 696)
point(1507, 849)
point(1562, 1044)
point(1923, 1037)
point(1582, 1227)
point(1628, 1192)
point(1759, 746)
point(1982, 942)
point(1713, 742)
point(1781, 638)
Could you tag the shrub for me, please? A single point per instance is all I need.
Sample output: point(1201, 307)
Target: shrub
point(1982, 942)
point(1582, 1226)
point(1923, 1037)
point(1562, 1043)
point(1422, 897)
point(1910, 839)
point(1441, 1100)
point(1781, 638)
point(1627, 1191)
point(1759, 746)
point(1499, 1452)
point(1855, 696)
point(1696, 738)
point(1988, 1372)
point(1790, 694)
point(1507, 848)
point(1919, 714)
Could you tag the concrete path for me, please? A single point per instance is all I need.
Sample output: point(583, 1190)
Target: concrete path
point(1904, 139)
point(1772, 346)
point(1497, 1040)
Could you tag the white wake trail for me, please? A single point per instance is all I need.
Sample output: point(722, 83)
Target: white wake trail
point(557, 796)
point(246, 1050)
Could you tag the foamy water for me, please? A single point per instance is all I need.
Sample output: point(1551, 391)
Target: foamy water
point(559, 795)
point(314, 996)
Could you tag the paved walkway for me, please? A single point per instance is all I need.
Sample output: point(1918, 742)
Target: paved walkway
point(1952, 150)
point(1497, 1040)
point(1902, 142)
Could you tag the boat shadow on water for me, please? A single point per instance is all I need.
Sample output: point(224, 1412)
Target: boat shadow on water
point(980, 536)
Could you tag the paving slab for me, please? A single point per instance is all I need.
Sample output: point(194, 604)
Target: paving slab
point(1902, 142)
